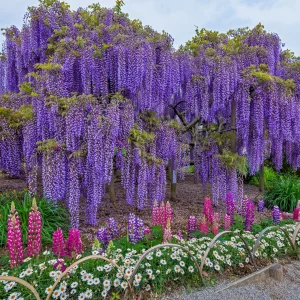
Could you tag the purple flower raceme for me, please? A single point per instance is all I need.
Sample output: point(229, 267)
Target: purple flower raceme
point(276, 214)
point(103, 236)
point(261, 206)
point(136, 229)
point(113, 228)
point(230, 207)
point(244, 207)
point(192, 225)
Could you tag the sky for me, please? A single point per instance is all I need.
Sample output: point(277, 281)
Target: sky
point(180, 17)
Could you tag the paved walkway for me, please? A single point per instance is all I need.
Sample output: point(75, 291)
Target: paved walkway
point(270, 289)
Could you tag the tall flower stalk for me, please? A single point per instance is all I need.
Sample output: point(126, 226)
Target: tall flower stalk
point(167, 233)
point(192, 225)
point(58, 243)
point(74, 243)
point(227, 222)
point(203, 227)
point(34, 231)
point(208, 210)
point(276, 214)
point(14, 238)
point(230, 207)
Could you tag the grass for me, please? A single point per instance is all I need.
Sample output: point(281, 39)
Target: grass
point(53, 216)
point(284, 191)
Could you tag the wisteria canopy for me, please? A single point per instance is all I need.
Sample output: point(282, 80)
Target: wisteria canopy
point(86, 94)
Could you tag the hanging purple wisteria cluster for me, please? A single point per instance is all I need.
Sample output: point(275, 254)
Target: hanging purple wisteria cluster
point(86, 93)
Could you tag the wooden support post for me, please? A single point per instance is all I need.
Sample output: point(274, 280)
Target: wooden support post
point(111, 189)
point(261, 178)
point(173, 185)
point(233, 126)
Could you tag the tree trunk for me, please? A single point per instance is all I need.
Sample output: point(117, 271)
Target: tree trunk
point(233, 126)
point(111, 189)
point(261, 178)
point(173, 185)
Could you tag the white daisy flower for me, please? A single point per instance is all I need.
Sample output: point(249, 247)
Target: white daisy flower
point(104, 294)
point(14, 296)
point(56, 294)
point(63, 296)
point(119, 275)
point(27, 259)
point(81, 296)
point(88, 294)
point(177, 269)
point(106, 283)
point(117, 282)
point(42, 266)
point(90, 282)
point(22, 275)
point(48, 289)
point(138, 277)
point(124, 285)
point(191, 269)
point(73, 291)
point(84, 277)
point(83, 272)
point(62, 289)
point(148, 287)
point(28, 272)
point(9, 286)
point(74, 285)
point(96, 281)
point(163, 262)
point(217, 267)
point(100, 268)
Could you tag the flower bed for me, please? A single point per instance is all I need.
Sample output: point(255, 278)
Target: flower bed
point(94, 279)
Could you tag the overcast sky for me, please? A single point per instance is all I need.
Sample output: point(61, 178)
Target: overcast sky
point(179, 18)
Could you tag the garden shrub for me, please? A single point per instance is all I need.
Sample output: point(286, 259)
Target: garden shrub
point(284, 191)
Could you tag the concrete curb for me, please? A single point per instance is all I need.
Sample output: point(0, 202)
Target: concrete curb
point(275, 271)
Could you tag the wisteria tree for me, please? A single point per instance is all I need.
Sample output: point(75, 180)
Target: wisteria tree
point(90, 93)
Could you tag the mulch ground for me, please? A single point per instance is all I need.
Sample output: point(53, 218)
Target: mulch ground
point(189, 202)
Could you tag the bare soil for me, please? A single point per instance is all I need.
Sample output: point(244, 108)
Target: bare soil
point(189, 202)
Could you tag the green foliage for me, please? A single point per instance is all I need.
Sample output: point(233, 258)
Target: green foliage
point(47, 145)
point(233, 160)
point(17, 118)
point(53, 216)
point(269, 176)
point(48, 67)
point(118, 6)
point(284, 191)
point(138, 137)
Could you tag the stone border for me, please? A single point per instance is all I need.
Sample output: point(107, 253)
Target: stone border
point(274, 271)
